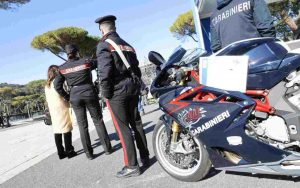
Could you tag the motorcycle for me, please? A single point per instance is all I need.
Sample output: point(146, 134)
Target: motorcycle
point(203, 127)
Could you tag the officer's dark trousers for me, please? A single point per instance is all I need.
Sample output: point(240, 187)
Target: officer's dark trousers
point(59, 143)
point(124, 111)
point(93, 107)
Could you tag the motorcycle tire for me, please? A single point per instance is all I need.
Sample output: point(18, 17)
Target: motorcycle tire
point(190, 175)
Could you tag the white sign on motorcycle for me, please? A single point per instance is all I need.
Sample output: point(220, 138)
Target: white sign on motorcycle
point(224, 72)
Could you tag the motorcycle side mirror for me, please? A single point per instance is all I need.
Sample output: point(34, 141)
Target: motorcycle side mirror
point(156, 58)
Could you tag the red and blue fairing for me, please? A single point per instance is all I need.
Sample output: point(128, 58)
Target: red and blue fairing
point(214, 116)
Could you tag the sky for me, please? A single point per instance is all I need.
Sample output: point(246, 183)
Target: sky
point(142, 23)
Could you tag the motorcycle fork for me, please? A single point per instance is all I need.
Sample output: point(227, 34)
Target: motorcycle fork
point(174, 137)
point(175, 126)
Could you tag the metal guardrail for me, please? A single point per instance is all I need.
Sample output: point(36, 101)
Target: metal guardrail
point(34, 115)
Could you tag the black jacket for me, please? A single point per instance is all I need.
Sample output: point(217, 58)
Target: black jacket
point(235, 20)
point(115, 79)
point(78, 75)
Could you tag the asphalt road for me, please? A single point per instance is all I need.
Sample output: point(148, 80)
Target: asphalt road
point(80, 172)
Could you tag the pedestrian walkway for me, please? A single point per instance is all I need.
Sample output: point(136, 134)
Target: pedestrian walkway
point(81, 172)
point(25, 146)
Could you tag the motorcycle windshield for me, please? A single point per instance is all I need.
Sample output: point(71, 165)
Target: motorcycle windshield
point(176, 56)
point(183, 57)
point(190, 57)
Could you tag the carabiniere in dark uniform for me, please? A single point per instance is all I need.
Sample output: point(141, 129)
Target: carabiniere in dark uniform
point(77, 73)
point(119, 86)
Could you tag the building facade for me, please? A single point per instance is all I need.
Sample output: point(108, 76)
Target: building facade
point(148, 73)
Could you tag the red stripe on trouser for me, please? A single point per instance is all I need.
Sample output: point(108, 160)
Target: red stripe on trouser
point(119, 133)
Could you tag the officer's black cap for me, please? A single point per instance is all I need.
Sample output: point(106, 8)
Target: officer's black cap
point(71, 48)
point(109, 18)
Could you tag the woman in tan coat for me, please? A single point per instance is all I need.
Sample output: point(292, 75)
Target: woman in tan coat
point(60, 116)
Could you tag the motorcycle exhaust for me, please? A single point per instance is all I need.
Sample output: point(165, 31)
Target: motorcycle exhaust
point(232, 157)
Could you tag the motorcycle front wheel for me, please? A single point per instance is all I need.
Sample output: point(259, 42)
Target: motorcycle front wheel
point(200, 164)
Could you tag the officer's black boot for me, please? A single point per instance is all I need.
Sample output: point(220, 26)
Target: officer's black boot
point(90, 156)
point(109, 151)
point(127, 172)
point(145, 161)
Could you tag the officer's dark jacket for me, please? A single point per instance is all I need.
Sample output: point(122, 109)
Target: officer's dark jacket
point(235, 20)
point(115, 79)
point(78, 75)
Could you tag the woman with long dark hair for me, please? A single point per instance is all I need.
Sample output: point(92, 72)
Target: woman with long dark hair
point(60, 116)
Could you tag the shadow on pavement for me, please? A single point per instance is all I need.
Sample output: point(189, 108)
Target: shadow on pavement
point(149, 129)
point(152, 162)
point(266, 176)
point(212, 172)
point(151, 111)
point(98, 154)
point(81, 151)
point(114, 136)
